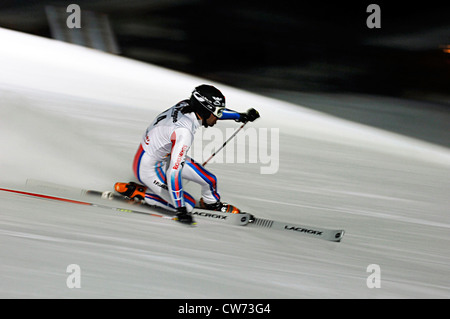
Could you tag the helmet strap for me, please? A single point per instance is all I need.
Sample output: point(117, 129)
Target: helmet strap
point(204, 123)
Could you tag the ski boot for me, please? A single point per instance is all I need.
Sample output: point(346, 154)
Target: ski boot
point(131, 190)
point(220, 207)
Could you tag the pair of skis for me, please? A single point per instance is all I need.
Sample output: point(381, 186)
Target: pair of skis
point(124, 205)
point(233, 219)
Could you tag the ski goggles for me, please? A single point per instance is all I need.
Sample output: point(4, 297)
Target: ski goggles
point(216, 107)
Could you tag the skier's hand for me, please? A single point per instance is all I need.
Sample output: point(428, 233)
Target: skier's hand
point(183, 216)
point(250, 116)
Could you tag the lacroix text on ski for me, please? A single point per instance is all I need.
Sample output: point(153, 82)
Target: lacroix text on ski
point(161, 163)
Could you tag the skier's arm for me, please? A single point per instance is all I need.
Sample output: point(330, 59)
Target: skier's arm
point(181, 142)
point(228, 114)
point(249, 116)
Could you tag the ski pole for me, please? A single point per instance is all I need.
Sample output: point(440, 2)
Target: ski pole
point(233, 135)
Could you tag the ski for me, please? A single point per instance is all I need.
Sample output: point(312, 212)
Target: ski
point(121, 203)
point(303, 230)
point(125, 205)
point(233, 219)
point(238, 219)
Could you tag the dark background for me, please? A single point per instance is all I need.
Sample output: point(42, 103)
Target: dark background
point(291, 45)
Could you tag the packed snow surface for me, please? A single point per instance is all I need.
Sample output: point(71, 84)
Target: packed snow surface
point(74, 116)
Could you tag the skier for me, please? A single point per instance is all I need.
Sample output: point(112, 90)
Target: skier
point(161, 163)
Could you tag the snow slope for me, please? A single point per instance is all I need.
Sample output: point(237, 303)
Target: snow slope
point(75, 116)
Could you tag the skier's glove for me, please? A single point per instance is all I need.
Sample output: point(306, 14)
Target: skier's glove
point(250, 116)
point(183, 216)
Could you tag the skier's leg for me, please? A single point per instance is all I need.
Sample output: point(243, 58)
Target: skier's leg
point(153, 199)
point(153, 176)
point(196, 173)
